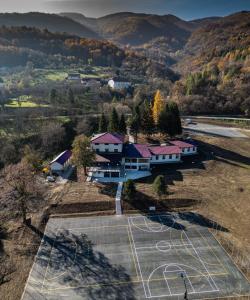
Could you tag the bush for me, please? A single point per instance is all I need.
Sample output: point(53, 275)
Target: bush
point(129, 190)
point(159, 186)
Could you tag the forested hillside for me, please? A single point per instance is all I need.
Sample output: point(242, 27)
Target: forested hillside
point(52, 22)
point(215, 68)
point(18, 45)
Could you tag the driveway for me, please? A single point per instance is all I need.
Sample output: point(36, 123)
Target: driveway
point(214, 130)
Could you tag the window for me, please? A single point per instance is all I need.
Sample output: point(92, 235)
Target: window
point(106, 150)
point(157, 157)
point(97, 144)
point(170, 156)
point(188, 149)
point(142, 161)
point(177, 156)
point(127, 160)
point(116, 144)
point(97, 150)
point(115, 150)
point(194, 149)
point(134, 160)
point(127, 167)
point(134, 167)
point(183, 149)
point(163, 157)
point(106, 144)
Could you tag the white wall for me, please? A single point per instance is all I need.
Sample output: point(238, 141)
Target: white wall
point(136, 165)
point(110, 147)
point(165, 159)
point(118, 85)
point(55, 167)
point(189, 151)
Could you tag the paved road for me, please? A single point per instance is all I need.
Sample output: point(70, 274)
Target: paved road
point(214, 130)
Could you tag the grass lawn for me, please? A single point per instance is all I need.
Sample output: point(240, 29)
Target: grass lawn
point(24, 104)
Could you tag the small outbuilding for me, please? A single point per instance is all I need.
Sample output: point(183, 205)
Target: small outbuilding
point(60, 163)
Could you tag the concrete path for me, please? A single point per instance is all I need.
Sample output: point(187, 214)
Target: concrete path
point(118, 205)
point(214, 130)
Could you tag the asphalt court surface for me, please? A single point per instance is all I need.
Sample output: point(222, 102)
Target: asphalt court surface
point(132, 257)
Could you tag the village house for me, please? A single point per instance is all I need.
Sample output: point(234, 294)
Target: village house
point(119, 84)
point(60, 163)
point(74, 76)
point(116, 159)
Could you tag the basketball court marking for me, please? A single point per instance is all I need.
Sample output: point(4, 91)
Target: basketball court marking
point(160, 228)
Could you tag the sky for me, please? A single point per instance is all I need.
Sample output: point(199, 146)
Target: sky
point(186, 9)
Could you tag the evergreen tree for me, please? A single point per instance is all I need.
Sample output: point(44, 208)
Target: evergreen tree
point(147, 120)
point(122, 125)
point(158, 106)
point(53, 96)
point(173, 107)
point(159, 186)
point(129, 190)
point(103, 124)
point(71, 97)
point(113, 121)
point(135, 122)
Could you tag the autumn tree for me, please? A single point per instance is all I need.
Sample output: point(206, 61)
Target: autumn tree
point(103, 124)
point(158, 106)
point(83, 155)
point(122, 125)
point(32, 158)
point(147, 120)
point(113, 121)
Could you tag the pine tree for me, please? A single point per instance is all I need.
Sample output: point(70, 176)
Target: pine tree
point(103, 124)
point(113, 121)
point(122, 125)
point(159, 186)
point(173, 107)
point(53, 96)
point(135, 122)
point(71, 97)
point(158, 106)
point(147, 120)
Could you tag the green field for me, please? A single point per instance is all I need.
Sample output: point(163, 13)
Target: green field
point(24, 104)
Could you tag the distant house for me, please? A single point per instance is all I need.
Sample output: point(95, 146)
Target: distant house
point(119, 84)
point(60, 163)
point(91, 82)
point(73, 76)
point(186, 148)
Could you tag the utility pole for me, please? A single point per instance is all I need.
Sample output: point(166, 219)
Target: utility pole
point(186, 292)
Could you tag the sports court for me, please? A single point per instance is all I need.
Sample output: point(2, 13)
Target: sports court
point(132, 257)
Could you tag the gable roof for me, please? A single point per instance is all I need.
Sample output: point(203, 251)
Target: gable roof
point(62, 158)
point(164, 150)
point(108, 138)
point(137, 151)
point(181, 144)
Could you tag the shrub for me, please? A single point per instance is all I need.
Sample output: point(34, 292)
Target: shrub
point(129, 190)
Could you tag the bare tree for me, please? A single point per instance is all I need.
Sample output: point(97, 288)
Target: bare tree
point(21, 179)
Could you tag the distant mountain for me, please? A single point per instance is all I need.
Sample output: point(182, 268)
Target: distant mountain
point(137, 29)
point(52, 22)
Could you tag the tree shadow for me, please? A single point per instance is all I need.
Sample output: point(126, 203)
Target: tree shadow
point(222, 154)
point(3, 236)
point(74, 263)
point(197, 219)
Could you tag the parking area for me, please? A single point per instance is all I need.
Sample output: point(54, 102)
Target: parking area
point(132, 257)
point(214, 130)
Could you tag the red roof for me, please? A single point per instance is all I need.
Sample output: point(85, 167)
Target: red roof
point(181, 144)
point(163, 150)
point(137, 151)
point(108, 138)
